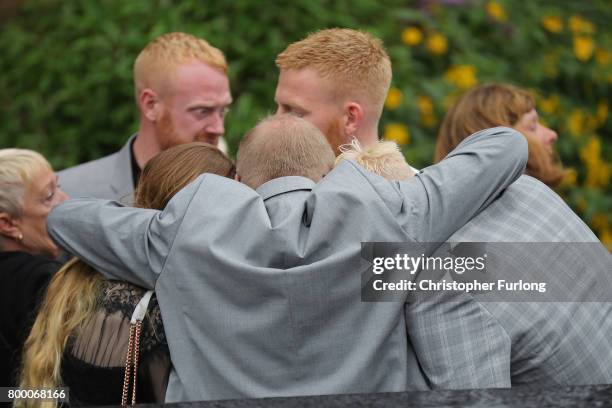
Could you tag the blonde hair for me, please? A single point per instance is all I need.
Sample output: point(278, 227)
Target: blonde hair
point(160, 58)
point(70, 298)
point(382, 158)
point(18, 168)
point(72, 294)
point(283, 145)
point(355, 62)
point(496, 105)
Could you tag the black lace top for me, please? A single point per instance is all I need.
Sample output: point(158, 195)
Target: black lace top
point(93, 363)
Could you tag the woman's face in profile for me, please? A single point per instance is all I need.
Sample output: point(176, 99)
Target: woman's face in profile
point(529, 125)
point(44, 194)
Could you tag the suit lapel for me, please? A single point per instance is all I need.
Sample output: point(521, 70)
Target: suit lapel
point(122, 180)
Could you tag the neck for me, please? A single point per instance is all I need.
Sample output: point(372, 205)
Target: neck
point(145, 146)
point(367, 135)
point(9, 245)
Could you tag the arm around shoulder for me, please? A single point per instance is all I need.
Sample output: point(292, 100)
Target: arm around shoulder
point(443, 197)
point(123, 243)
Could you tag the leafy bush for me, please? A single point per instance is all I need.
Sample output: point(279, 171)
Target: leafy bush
point(66, 83)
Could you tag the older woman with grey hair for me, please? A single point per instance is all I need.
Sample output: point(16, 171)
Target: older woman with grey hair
point(28, 192)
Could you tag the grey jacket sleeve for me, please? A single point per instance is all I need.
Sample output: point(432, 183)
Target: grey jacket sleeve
point(458, 343)
point(122, 243)
point(443, 197)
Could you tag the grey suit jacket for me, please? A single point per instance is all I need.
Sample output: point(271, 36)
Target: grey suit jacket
point(109, 177)
point(474, 341)
point(260, 294)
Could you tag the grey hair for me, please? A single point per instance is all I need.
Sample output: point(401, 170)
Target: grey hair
point(283, 145)
point(17, 172)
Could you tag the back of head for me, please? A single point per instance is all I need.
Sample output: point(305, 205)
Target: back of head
point(18, 169)
point(355, 62)
point(160, 58)
point(174, 168)
point(480, 108)
point(283, 145)
point(382, 158)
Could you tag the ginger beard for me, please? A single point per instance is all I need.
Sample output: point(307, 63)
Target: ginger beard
point(333, 131)
point(168, 136)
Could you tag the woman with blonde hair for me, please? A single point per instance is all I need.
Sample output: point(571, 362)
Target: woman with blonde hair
point(28, 192)
point(83, 332)
point(493, 105)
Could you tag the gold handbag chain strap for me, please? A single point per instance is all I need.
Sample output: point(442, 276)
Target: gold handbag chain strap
point(133, 351)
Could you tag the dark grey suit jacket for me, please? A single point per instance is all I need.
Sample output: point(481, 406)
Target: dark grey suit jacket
point(260, 293)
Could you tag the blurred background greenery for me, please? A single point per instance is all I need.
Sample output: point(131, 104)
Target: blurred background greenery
point(66, 81)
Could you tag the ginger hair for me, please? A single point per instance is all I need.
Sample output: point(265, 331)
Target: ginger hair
point(355, 63)
point(493, 105)
point(160, 58)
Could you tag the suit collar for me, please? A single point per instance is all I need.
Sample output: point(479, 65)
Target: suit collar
point(122, 180)
point(284, 185)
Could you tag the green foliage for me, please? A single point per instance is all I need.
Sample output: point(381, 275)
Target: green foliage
point(66, 84)
point(561, 51)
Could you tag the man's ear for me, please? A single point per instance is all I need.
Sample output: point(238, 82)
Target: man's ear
point(354, 114)
point(149, 104)
point(237, 177)
point(8, 227)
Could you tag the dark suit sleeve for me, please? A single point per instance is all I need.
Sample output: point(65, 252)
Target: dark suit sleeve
point(443, 197)
point(123, 243)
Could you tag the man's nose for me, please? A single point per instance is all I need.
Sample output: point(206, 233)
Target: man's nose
point(216, 126)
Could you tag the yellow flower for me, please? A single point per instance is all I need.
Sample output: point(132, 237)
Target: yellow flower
point(412, 36)
point(591, 151)
point(598, 174)
point(552, 23)
point(394, 99)
point(437, 44)
point(425, 104)
point(462, 76)
point(549, 105)
point(583, 47)
point(575, 122)
point(398, 133)
point(570, 178)
point(600, 221)
point(602, 112)
point(606, 238)
point(496, 11)
point(581, 25)
point(603, 57)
